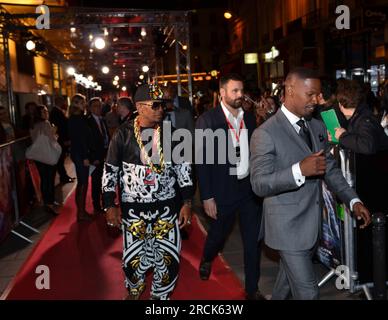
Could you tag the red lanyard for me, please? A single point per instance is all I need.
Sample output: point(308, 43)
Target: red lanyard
point(233, 129)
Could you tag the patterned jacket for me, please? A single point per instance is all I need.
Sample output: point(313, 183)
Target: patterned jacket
point(138, 183)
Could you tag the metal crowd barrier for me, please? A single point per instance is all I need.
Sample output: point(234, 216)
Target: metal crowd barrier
point(12, 159)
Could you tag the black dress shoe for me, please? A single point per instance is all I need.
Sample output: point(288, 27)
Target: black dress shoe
point(255, 296)
point(205, 269)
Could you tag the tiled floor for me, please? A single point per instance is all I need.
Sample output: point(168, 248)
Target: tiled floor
point(15, 251)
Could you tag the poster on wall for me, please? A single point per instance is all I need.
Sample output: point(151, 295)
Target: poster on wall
point(6, 202)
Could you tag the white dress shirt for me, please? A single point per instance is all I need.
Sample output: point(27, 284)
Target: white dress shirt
point(296, 172)
point(242, 167)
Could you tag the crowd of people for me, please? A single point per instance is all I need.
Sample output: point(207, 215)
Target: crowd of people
point(283, 156)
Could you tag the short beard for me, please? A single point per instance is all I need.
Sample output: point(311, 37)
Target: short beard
point(235, 104)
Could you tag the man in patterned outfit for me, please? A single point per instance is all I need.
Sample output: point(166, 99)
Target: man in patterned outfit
point(150, 217)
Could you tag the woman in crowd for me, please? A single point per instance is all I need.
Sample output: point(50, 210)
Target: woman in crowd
point(41, 126)
point(80, 142)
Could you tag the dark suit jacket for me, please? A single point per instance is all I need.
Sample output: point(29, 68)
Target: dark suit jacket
point(80, 137)
point(215, 180)
point(58, 119)
point(184, 103)
point(98, 150)
point(184, 119)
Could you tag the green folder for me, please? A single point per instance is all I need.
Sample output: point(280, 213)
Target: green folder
point(331, 121)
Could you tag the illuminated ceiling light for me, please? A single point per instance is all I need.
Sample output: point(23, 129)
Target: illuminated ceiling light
point(124, 88)
point(90, 78)
point(30, 45)
point(115, 39)
point(115, 82)
point(72, 29)
point(117, 86)
point(145, 68)
point(140, 53)
point(105, 70)
point(140, 40)
point(116, 54)
point(99, 43)
point(90, 37)
point(143, 32)
point(91, 50)
point(106, 33)
point(141, 77)
point(116, 78)
point(184, 47)
point(227, 15)
point(123, 65)
point(70, 71)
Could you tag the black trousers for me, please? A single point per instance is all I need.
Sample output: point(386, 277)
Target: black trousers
point(96, 186)
point(47, 181)
point(61, 165)
point(250, 211)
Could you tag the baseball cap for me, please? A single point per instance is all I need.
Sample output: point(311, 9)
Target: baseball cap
point(148, 92)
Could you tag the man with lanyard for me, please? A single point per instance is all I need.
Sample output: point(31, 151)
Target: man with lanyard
point(150, 215)
point(225, 187)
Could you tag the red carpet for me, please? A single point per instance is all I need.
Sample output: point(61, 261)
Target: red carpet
point(84, 260)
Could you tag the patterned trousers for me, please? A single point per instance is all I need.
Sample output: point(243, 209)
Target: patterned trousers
point(151, 240)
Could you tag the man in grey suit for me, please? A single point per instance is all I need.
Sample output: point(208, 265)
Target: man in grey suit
point(289, 158)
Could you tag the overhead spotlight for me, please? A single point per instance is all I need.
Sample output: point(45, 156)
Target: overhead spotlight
point(70, 71)
point(140, 40)
point(140, 53)
point(106, 33)
point(90, 37)
point(227, 15)
point(99, 43)
point(72, 29)
point(124, 88)
point(143, 32)
point(184, 47)
point(141, 77)
point(91, 50)
point(30, 45)
point(117, 86)
point(145, 68)
point(116, 78)
point(115, 39)
point(105, 70)
point(90, 78)
point(115, 82)
point(116, 54)
point(123, 65)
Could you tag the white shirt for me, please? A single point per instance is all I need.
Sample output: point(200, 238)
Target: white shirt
point(296, 172)
point(242, 167)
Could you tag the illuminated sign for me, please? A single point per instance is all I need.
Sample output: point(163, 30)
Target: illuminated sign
point(271, 55)
point(250, 58)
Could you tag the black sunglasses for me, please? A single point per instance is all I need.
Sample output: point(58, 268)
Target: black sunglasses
point(156, 105)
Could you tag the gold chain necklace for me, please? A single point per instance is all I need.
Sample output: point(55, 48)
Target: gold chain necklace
point(142, 149)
